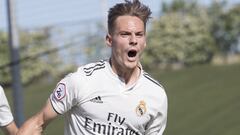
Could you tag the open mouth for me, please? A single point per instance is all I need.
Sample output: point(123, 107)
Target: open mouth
point(132, 53)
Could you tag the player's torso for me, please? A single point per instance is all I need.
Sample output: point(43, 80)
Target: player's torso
point(112, 107)
point(108, 107)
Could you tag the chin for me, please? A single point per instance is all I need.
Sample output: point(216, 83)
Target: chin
point(131, 65)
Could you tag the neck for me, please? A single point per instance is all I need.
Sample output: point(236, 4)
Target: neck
point(129, 76)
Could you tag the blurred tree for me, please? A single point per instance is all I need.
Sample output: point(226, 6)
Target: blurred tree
point(179, 37)
point(184, 6)
point(4, 58)
point(95, 47)
point(225, 26)
point(34, 61)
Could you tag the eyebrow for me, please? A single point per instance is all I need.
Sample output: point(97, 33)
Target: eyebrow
point(124, 31)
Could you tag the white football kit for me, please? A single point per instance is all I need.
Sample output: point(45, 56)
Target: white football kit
point(95, 101)
point(5, 111)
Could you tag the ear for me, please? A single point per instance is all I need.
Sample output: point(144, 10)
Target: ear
point(145, 44)
point(109, 40)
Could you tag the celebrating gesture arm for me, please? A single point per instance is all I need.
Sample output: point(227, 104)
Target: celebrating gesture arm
point(37, 123)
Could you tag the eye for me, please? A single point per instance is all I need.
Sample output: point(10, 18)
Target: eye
point(140, 34)
point(125, 34)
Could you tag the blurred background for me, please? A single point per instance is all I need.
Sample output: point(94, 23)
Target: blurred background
point(193, 49)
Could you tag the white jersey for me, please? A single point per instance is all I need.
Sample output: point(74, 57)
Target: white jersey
point(95, 101)
point(5, 112)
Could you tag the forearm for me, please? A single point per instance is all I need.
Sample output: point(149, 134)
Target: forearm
point(10, 129)
point(36, 124)
point(33, 126)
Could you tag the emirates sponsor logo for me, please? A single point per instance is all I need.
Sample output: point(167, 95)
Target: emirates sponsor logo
point(113, 126)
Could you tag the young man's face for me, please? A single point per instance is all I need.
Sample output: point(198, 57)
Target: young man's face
point(128, 41)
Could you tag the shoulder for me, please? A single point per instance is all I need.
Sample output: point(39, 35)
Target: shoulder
point(156, 91)
point(85, 70)
point(83, 74)
point(151, 80)
point(1, 91)
point(155, 86)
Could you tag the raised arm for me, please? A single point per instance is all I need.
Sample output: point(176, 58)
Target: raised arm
point(37, 123)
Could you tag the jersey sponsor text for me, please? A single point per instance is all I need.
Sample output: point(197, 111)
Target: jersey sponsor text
point(109, 129)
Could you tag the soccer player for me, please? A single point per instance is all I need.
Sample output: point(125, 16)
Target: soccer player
point(7, 123)
point(114, 96)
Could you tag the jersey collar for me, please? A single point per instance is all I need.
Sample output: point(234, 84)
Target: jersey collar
point(121, 81)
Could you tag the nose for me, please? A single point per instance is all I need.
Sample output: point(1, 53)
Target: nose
point(133, 39)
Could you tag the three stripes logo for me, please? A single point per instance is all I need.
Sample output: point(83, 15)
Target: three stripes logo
point(97, 99)
point(89, 70)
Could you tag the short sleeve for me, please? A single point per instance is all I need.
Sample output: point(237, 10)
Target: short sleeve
point(64, 95)
point(5, 111)
point(158, 123)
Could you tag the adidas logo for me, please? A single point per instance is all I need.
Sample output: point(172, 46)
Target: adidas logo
point(97, 99)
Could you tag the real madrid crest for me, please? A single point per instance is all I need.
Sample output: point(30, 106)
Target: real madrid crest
point(141, 109)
